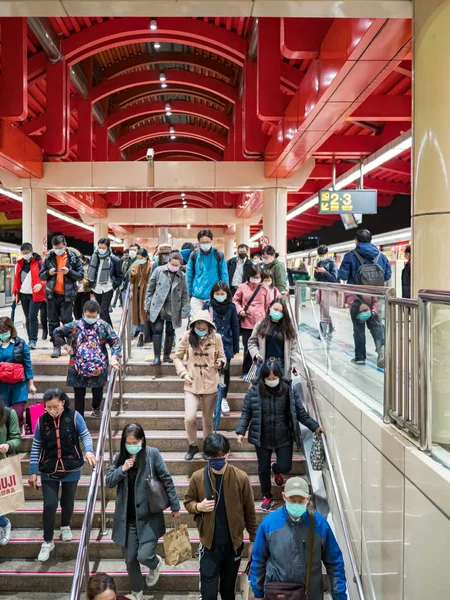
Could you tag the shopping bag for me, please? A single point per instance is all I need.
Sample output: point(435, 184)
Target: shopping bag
point(317, 453)
point(244, 584)
point(11, 485)
point(32, 416)
point(177, 546)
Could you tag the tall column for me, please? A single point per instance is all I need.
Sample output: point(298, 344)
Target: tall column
point(100, 231)
point(163, 235)
point(229, 246)
point(274, 219)
point(431, 196)
point(34, 219)
point(242, 233)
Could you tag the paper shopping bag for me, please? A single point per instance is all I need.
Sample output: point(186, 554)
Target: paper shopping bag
point(177, 546)
point(11, 485)
point(244, 584)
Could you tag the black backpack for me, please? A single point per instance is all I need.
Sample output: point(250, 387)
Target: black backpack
point(219, 258)
point(369, 272)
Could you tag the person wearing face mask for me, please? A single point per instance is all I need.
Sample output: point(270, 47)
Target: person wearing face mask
point(101, 586)
point(84, 290)
point(199, 357)
point(267, 281)
point(222, 509)
point(85, 341)
point(282, 548)
point(275, 338)
point(16, 370)
point(276, 267)
point(238, 267)
point(252, 300)
point(62, 270)
point(29, 290)
point(206, 266)
point(226, 320)
point(167, 301)
point(161, 257)
point(139, 278)
point(56, 454)
point(135, 528)
point(127, 265)
point(272, 408)
point(104, 276)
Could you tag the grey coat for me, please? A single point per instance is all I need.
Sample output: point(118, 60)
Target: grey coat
point(257, 345)
point(159, 287)
point(149, 527)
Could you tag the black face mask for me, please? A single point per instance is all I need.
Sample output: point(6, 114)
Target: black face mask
point(242, 255)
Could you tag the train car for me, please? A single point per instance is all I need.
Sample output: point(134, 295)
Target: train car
point(9, 253)
point(392, 244)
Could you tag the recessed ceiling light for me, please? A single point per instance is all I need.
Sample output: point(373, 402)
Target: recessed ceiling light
point(173, 137)
point(156, 45)
point(153, 24)
point(172, 130)
point(164, 85)
point(162, 77)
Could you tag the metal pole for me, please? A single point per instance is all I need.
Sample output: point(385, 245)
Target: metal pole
point(120, 390)
point(86, 570)
point(361, 174)
point(103, 530)
point(388, 356)
point(424, 376)
point(333, 172)
point(111, 449)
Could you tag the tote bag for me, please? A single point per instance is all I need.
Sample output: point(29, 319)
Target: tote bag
point(11, 485)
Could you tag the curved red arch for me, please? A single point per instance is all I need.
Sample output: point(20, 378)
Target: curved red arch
point(176, 204)
point(140, 93)
point(174, 76)
point(154, 108)
point(133, 30)
point(171, 197)
point(179, 148)
point(189, 131)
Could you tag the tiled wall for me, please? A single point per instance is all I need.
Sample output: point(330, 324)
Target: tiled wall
point(397, 500)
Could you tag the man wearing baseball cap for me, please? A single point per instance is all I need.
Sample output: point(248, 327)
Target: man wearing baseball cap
point(281, 549)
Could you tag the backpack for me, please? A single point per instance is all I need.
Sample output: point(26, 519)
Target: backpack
point(90, 361)
point(219, 257)
point(369, 273)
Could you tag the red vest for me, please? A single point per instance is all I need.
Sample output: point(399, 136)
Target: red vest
point(35, 267)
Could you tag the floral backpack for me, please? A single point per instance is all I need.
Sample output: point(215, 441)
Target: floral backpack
point(90, 360)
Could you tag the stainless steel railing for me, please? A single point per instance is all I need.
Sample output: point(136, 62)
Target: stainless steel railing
point(329, 463)
point(81, 571)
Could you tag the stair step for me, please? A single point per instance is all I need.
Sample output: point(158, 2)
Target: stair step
point(61, 596)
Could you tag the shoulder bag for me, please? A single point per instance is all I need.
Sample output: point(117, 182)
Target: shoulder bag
point(279, 590)
point(158, 500)
point(255, 293)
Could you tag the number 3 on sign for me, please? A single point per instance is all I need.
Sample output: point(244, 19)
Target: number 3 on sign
point(347, 202)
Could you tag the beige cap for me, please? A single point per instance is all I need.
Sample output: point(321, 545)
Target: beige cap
point(296, 486)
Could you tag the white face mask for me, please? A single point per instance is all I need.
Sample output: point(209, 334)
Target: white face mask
point(220, 298)
point(133, 253)
point(59, 251)
point(272, 383)
point(102, 251)
point(254, 280)
point(206, 247)
point(141, 261)
point(90, 320)
point(27, 256)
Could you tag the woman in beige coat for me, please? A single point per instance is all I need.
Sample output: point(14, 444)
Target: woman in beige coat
point(202, 350)
point(139, 276)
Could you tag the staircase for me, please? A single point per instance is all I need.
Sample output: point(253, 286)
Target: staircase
point(154, 398)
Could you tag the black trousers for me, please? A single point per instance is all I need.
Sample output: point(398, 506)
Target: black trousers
point(158, 327)
point(246, 334)
point(219, 568)
point(44, 320)
point(59, 311)
point(31, 310)
point(80, 301)
point(105, 302)
point(50, 490)
point(80, 395)
point(283, 465)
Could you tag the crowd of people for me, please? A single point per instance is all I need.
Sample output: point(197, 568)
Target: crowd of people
point(242, 302)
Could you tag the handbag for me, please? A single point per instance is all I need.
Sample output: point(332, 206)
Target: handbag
point(278, 590)
point(317, 455)
point(244, 584)
point(177, 546)
point(11, 372)
point(11, 495)
point(32, 415)
point(255, 293)
point(158, 500)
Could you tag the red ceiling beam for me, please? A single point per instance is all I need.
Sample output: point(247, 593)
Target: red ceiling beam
point(181, 131)
point(56, 140)
point(88, 203)
point(268, 65)
point(352, 145)
point(402, 167)
point(178, 148)
point(325, 171)
point(85, 130)
point(142, 92)
point(101, 142)
point(355, 56)
point(176, 107)
point(384, 108)
point(391, 187)
point(254, 140)
point(18, 153)
point(13, 77)
point(173, 76)
point(301, 37)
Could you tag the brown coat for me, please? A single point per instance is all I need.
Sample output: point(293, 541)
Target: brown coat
point(202, 369)
point(239, 503)
point(139, 277)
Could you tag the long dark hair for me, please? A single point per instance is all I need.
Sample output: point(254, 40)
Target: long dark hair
point(220, 286)
point(194, 340)
point(271, 366)
point(136, 430)
point(285, 328)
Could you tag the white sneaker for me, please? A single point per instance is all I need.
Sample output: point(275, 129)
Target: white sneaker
point(5, 534)
point(46, 549)
point(153, 574)
point(66, 534)
point(225, 406)
point(138, 595)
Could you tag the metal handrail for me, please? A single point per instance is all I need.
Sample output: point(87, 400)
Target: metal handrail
point(345, 288)
point(81, 571)
point(339, 504)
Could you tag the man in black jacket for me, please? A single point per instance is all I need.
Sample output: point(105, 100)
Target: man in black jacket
point(62, 269)
point(406, 274)
point(104, 276)
point(238, 267)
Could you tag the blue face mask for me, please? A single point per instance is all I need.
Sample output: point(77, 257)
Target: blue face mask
point(4, 337)
point(275, 315)
point(133, 448)
point(364, 316)
point(219, 298)
point(102, 251)
point(201, 333)
point(205, 247)
point(296, 510)
point(90, 320)
point(217, 463)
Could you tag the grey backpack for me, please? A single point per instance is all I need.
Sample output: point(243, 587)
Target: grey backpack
point(369, 272)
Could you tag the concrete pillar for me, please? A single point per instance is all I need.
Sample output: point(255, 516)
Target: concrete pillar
point(127, 242)
point(34, 219)
point(163, 235)
point(431, 197)
point(274, 219)
point(100, 231)
point(229, 246)
point(242, 233)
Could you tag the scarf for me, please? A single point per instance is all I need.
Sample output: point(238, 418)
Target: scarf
point(221, 308)
point(94, 265)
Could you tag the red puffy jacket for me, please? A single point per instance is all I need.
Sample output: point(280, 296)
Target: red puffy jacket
point(35, 267)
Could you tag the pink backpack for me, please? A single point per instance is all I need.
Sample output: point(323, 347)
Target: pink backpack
point(90, 360)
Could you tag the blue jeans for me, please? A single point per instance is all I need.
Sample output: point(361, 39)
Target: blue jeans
point(3, 521)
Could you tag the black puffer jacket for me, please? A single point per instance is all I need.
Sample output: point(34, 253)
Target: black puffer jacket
point(252, 415)
point(75, 274)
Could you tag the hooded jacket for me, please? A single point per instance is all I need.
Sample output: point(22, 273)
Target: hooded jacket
point(350, 263)
point(228, 327)
point(200, 363)
point(204, 270)
point(278, 271)
point(35, 267)
point(75, 274)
